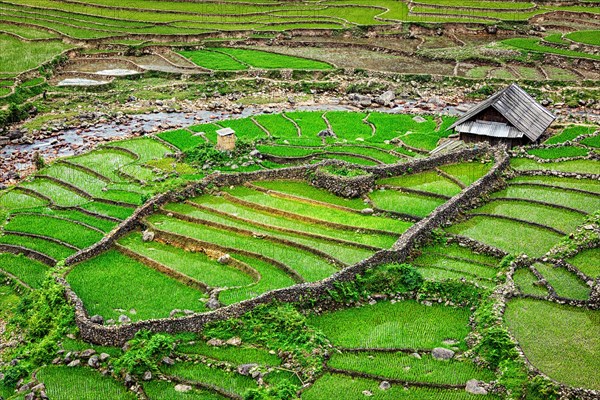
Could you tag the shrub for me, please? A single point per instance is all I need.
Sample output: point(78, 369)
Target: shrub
point(145, 351)
point(344, 171)
point(391, 278)
point(497, 346)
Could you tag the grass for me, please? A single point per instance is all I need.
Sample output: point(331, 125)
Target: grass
point(277, 125)
point(320, 212)
point(467, 172)
point(54, 250)
point(29, 271)
point(146, 148)
point(15, 200)
point(244, 128)
point(195, 265)
point(331, 386)
point(31, 54)
point(105, 162)
point(534, 45)
point(267, 60)
point(59, 194)
point(109, 209)
point(406, 367)
point(455, 250)
point(405, 324)
point(587, 262)
point(309, 266)
point(428, 181)
point(593, 141)
point(237, 355)
point(564, 282)
point(272, 278)
point(563, 220)
point(81, 179)
point(166, 390)
point(580, 166)
point(74, 234)
point(112, 282)
point(579, 201)
point(64, 383)
point(310, 123)
point(584, 184)
point(348, 125)
point(585, 37)
point(460, 266)
point(213, 60)
point(559, 152)
point(74, 215)
point(526, 282)
point(570, 133)
point(230, 381)
point(562, 341)
point(248, 213)
point(305, 190)
point(182, 139)
point(345, 253)
point(509, 236)
point(407, 203)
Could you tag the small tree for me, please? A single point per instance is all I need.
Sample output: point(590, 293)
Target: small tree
point(38, 161)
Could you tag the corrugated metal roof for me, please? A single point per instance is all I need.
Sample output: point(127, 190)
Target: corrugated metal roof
point(520, 109)
point(225, 132)
point(488, 128)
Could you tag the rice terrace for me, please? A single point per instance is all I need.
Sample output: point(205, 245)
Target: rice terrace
point(299, 199)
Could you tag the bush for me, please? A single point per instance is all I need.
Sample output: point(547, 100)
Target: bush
point(391, 278)
point(145, 351)
point(344, 171)
point(497, 346)
point(451, 290)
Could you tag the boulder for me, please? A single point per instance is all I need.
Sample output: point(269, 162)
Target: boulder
point(326, 133)
point(246, 369)
point(440, 353)
point(475, 387)
point(74, 363)
point(147, 236)
point(88, 353)
point(168, 361)
point(234, 341)
point(94, 362)
point(215, 342)
point(124, 319)
point(418, 119)
point(384, 385)
point(103, 357)
point(182, 388)
point(367, 393)
point(224, 259)
point(213, 304)
point(147, 376)
point(97, 319)
point(386, 97)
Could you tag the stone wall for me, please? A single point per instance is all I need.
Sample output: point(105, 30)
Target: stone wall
point(344, 186)
point(117, 335)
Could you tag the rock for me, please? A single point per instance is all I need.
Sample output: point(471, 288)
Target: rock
point(440, 353)
point(124, 319)
point(132, 311)
point(147, 376)
point(367, 393)
point(174, 312)
point(168, 361)
point(418, 119)
point(474, 386)
point(451, 342)
point(326, 133)
point(491, 29)
point(29, 396)
point(103, 357)
point(416, 355)
point(97, 319)
point(182, 388)
point(384, 385)
point(386, 97)
point(213, 304)
point(224, 259)
point(255, 153)
point(367, 211)
point(147, 236)
point(128, 380)
point(94, 362)
point(74, 363)
point(215, 342)
point(234, 341)
point(246, 369)
point(88, 353)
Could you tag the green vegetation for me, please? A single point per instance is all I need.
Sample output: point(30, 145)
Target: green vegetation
point(133, 286)
point(585, 37)
point(63, 383)
point(405, 324)
point(564, 282)
point(534, 45)
point(559, 152)
point(587, 262)
point(527, 283)
point(428, 181)
point(589, 185)
point(546, 331)
point(29, 271)
point(408, 203)
point(570, 133)
point(31, 54)
point(578, 201)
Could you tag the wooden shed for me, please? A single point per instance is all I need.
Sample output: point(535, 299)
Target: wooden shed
point(226, 139)
point(511, 116)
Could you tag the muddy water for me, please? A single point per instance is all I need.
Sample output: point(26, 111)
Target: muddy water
point(80, 82)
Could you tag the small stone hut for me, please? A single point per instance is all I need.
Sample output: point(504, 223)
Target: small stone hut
point(226, 139)
point(510, 116)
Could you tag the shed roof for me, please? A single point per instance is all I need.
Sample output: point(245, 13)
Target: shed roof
point(519, 108)
point(225, 132)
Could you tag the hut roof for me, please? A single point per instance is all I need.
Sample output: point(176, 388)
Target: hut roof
point(528, 117)
point(225, 132)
